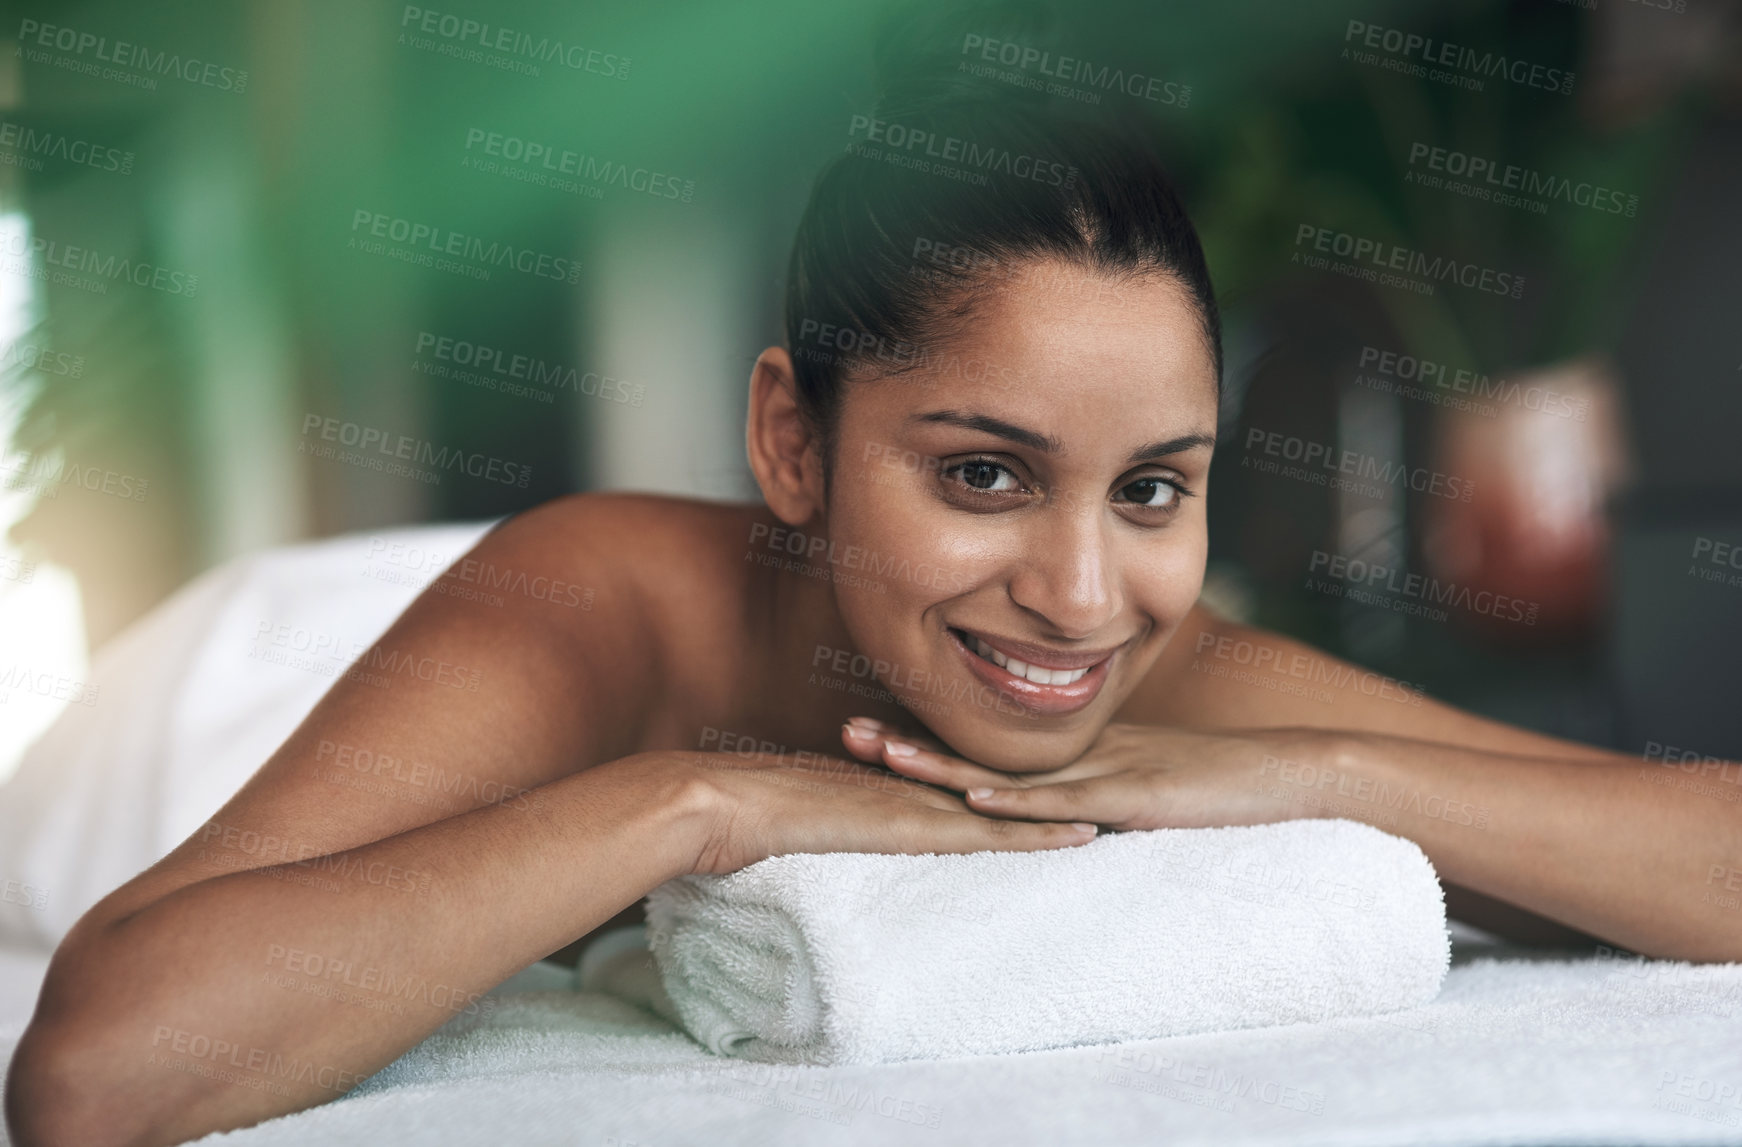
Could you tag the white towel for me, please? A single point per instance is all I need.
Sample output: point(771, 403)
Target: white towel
point(866, 958)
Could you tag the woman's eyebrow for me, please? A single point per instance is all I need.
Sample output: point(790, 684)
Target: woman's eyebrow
point(1047, 444)
point(1171, 446)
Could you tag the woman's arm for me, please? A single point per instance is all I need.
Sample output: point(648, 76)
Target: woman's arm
point(238, 998)
point(1235, 725)
point(381, 839)
point(340, 907)
point(1216, 673)
point(1599, 844)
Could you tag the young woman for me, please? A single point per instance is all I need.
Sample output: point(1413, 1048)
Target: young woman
point(964, 619)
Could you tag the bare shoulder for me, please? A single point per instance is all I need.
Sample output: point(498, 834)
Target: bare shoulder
point(1217, 673)
point(544, 650)
point(659, 556)
point(664, 573)
point(634, 523)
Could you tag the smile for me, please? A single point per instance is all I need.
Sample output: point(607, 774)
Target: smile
point(1049, 681)
point(1038, 674)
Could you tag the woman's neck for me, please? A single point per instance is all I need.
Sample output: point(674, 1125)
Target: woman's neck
point(812, 677)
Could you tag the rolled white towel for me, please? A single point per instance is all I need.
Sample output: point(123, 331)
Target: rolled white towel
point(868, 958)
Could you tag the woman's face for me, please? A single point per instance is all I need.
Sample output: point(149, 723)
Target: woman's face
point(1028, 511)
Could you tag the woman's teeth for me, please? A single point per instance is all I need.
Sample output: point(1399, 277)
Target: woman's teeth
point(1032, 673)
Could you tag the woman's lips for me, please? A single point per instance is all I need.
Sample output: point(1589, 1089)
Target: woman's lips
point(1051, 699)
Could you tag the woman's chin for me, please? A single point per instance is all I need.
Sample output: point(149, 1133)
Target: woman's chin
point(1016, 752)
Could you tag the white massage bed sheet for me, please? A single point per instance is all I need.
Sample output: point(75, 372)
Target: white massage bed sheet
point(1514, 1051)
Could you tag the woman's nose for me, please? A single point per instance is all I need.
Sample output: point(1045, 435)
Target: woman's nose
point(1068, 575)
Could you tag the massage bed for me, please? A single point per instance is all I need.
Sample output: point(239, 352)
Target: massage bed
point(1519, 1046)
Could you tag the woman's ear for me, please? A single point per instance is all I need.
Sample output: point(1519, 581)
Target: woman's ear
point(785, 454)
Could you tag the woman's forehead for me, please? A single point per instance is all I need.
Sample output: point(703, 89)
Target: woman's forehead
point(1048, 332)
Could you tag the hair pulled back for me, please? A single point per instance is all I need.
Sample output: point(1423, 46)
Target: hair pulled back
point(954, 185)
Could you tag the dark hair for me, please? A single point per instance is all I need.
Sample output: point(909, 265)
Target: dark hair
point(1002, 177)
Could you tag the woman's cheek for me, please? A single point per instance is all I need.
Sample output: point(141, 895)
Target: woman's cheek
point(1173, 584)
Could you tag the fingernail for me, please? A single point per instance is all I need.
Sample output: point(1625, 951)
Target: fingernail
point(979, 794)
point(855, 731)
point(1085, 826)
point(865, 723)
point(899, 749)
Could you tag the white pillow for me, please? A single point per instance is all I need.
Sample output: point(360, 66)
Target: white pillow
point(191, 700)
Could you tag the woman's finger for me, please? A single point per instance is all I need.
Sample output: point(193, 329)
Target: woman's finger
point(959, 832)
point(944, 769)
point(862, 732)
point(862, 741)
point(1104, 800)
point(921, 758)
point(880, 779)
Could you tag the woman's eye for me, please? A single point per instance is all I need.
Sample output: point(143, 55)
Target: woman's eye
point(1151, 493)
point(988, 476)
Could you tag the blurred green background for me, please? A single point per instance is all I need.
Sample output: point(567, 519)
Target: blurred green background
point(259, 180)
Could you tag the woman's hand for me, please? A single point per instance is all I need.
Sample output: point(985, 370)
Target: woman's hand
point(1132, 777)
point(769, 805)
